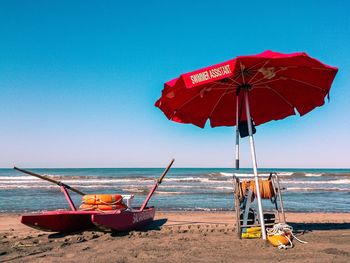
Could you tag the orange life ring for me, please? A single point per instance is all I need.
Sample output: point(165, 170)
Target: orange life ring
point(102, 199)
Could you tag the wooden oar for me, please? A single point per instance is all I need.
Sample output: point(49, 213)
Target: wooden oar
point(50, 180)
point(159, 181)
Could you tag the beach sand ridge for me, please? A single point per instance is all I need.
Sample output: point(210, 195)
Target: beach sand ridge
point(179, 237)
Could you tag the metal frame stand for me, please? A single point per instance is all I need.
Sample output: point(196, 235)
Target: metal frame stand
point(242, 206)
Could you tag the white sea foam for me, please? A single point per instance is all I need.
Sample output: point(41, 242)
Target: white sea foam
point(11, 178)
point(23, 182)
point(226, 174)
point(340, 181)
point(252, 175)
point(192, 179)
point(134, 190)
point(284, 173)
point(97, 181)
point(27, 186)
point(170, 193)
point(313, 174)
point(330, 189)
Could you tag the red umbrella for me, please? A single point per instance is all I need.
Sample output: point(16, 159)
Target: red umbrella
point(259, 88)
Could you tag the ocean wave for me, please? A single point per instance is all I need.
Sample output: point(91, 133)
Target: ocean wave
point(313, 174)
point(195, 187)
point(339, 181)
point(197, 208)
point(194, 180)
point(308, 189)
point(87, 181)
point(169, 193)
point(134, 190)
point(11, 178)
point(27, 187)
point(22, 182)
point(252, 175)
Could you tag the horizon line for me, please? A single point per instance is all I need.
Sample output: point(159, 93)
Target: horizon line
point(136, 167)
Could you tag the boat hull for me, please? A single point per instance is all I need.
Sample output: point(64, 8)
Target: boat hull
point(124, 221)
point(59, 221)
point(70, 221)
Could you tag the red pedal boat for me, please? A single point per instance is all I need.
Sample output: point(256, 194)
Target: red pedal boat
point(124, 219)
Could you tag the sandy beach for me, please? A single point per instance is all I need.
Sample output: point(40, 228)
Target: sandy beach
point(179, 237)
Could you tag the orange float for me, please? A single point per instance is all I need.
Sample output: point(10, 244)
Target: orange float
point(265, 187)
point(277, 240)
point(102, 199)
point(87, 207)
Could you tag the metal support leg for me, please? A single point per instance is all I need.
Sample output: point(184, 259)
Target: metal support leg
point(237, 133)
point(247, 207)
point(255, 169)
point(281, 200)
point(237, 206)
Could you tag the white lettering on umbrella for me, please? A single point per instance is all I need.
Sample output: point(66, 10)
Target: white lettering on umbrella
point(200, 77)
point(211, 74)
point(218, 72)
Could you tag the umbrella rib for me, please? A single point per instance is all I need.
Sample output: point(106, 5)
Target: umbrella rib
point(234, 79)
point(257, 71)
point(325, 69)
point(276, 92)
point(306, 83)
point(191, 99)
point(261, 79)
point(266, 82)
point(184, 104)
point(223, 84)
point(227, 91)
point(241, 65)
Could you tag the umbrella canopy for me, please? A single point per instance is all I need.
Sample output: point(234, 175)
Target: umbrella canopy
point(278, 84)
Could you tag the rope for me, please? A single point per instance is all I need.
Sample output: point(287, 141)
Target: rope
point(283, 230)
point(119, 201)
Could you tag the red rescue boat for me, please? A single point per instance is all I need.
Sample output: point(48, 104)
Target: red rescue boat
point(122, 219)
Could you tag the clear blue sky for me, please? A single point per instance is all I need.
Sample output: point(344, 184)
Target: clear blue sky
point(78, 81)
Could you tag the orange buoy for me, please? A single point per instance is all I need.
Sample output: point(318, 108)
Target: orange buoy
point(87, 207)
point(277, 240)
point(102, 199)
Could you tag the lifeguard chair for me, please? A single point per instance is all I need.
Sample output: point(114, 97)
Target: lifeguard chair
point(245, 193)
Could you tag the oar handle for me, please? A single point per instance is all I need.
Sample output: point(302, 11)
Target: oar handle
point(49, 179)
point(165, 171)
point(154, 188)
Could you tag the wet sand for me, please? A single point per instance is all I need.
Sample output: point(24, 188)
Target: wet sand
point(179, 237)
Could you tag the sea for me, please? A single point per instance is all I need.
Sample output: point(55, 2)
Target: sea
point(183, 189)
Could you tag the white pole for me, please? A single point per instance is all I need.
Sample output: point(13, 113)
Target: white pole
point(237, 132)
point(255, 169)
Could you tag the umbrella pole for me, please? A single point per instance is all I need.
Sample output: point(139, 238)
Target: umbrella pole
point(255, 169)
point(237, 132)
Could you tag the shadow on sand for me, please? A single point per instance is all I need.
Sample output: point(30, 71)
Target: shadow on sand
point(319, 226)
point(154, 225)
